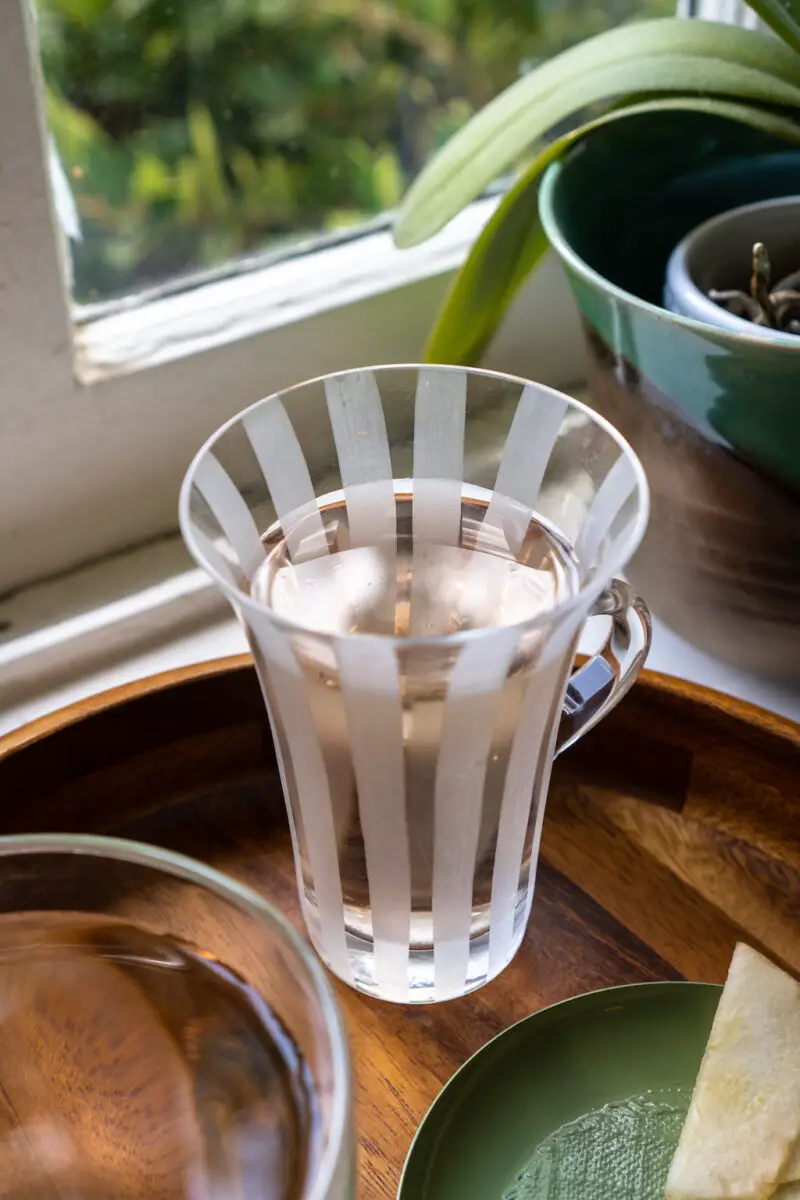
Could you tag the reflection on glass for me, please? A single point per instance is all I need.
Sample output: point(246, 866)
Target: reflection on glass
point(189, 134)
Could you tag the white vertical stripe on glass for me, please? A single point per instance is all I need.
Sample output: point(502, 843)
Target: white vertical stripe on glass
point(235, 519)
point(609, 499)
point(213, 555)
point(288, 686)
point(542, 781)
point(527, 451)
point(371, 692)
point(282, 754)
point(286, 473)
point(530, 743)
point(514, 815)
point(359, 430)
point(439, 419)
point(472, 698)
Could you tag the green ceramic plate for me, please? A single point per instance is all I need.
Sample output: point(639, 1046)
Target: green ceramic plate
point(581, 1101)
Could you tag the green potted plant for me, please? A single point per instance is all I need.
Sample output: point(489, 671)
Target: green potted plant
point(689, 119)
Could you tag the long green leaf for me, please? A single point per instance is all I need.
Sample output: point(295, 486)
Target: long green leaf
point(513, 240)
point(671, 55)
point(783, 16)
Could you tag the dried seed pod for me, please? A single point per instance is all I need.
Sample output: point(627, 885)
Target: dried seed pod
point(759, 284)
point(787, 306)
point(736, 302)
point(777, 308)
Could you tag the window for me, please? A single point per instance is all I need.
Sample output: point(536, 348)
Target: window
point(192, 213)
point(185, 136)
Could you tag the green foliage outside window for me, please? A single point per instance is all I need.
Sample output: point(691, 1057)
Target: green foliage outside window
point(198, 131)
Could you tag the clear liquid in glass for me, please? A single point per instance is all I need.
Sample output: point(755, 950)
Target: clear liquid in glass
point(133, 1067)
point(407, 588)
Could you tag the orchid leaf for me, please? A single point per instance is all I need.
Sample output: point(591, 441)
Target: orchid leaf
point(513, 241)
point(672, 55)
point(783, 16)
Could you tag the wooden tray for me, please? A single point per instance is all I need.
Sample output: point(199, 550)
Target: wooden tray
point(672, 830)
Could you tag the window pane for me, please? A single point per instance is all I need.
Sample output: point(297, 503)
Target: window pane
point(187, 133)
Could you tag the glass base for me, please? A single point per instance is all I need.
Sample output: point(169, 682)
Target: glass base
point(421, 971)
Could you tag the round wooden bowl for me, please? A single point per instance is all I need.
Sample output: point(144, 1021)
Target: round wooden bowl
point(672, 831)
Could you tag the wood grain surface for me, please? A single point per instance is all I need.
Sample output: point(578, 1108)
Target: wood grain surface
point(672, 830)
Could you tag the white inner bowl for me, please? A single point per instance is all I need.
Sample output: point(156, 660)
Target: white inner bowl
point(718, 254)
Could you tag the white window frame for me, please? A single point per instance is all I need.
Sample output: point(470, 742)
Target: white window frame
point(99, 420)
point(729, 12)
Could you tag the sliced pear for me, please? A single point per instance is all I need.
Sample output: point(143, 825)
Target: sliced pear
point(744, 1119)
point(792, 1172)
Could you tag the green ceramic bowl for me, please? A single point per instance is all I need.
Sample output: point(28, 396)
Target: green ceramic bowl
point(616, 208)
point(714, 415)
point(602, 1057)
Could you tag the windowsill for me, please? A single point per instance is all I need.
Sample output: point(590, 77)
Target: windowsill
point(262, 295)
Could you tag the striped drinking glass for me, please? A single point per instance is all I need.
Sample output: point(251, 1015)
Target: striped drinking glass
point(413, 552)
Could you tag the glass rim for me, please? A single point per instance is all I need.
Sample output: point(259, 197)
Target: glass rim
point(585, 593)
point(227, 888)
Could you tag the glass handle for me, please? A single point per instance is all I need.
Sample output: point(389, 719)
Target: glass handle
point(599, 685)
